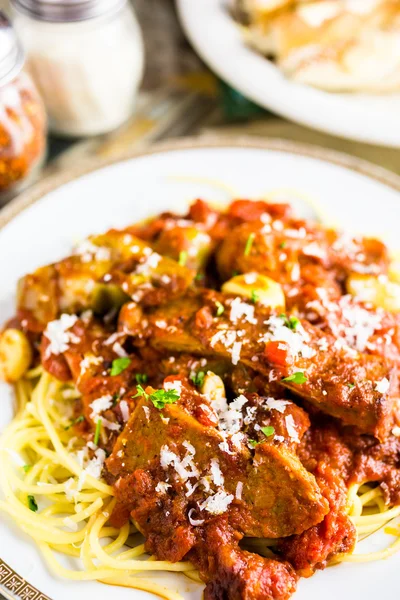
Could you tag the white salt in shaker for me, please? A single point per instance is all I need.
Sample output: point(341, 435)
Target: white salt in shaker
point(86, 57)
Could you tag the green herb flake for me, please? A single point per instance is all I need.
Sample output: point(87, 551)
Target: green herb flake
point(255, 296)
point(97, 432)
point(76, 421)
point(282, 245)
point(160, 397)
point(351, 385)
point(183, 255)
point(198, 378)
point(119, 365)
point(27, 468)
point(249, 244)
point(199, 276)
point(141, 377)
point(290, 322)
point(220, 308)
point(268, 431)
point(253, 443)
point(32, 504)
point(297, 377)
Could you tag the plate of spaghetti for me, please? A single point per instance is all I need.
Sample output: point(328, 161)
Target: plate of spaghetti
point(199, 354)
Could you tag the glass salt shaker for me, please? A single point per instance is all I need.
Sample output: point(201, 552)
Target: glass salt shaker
point(86, 57)
point(22, 118)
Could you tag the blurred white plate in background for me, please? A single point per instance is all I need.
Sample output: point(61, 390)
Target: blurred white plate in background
point(218, 40)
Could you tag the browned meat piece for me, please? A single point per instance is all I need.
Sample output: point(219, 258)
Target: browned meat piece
point(105, 271)
point(282, 248)
point(235, 574)
point(359, 389)
point(360, 326)
point(336, 534)
point(268, 494)
point(324, 452)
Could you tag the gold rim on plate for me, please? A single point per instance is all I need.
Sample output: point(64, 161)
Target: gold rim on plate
point(12, 585)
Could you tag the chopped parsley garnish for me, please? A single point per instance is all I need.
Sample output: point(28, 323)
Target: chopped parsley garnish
point(27, 468)
point(198, 378)
point(182, 258)
point(351, 385)
point(297, 377)
point(119, 365)
point(249, 243)
point(97, 432)
point(32, 504)
point(199, 276)
point(290, 322)
point(220, 308)
point(79, 419)
point(160, 397)
point(282, 245)
point(255, 296)
point(141, 377)
point(267, 431)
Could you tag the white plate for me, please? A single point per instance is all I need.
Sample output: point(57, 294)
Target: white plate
point(217, 39)
point(123, 192)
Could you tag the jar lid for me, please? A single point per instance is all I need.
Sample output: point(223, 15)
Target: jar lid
point(62, 11)
point(11, 53)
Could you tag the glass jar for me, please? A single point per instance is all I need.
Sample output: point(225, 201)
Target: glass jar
point(22, 118)
point(86, 57)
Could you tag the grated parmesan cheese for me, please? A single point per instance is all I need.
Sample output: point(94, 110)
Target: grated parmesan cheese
point(58, 334)
point(190, 488)
point(100, 405)
point(250, 414)
point(151, 261)
point(382, 386)
point(192, 521)
point(88, 361)
point(218, 503)
point(70, 491)
point(296, 340)
point(173, 385)
point(124, 407)
point(236, 349)
point(279, 405)
point(291, 429)
point(224, 447)
point(95, 466)
point(239, 490)
point(216, 473)
point(89, 251)
point(185, 468)
point(162, 487)
point(146, 412)
point(242, 310)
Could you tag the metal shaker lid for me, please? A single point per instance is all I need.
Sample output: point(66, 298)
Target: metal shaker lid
point(11, 53)
point(64, 11)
